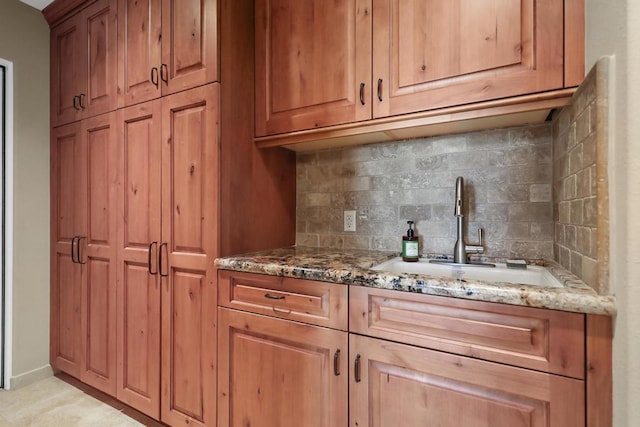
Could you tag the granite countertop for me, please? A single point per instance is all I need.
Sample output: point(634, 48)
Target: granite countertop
point(353, 267)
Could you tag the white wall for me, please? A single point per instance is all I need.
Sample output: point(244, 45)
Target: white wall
point(24, 40)
point(613, 28)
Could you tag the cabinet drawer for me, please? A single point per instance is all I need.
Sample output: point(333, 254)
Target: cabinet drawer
point(545, 340)
point(317, 303)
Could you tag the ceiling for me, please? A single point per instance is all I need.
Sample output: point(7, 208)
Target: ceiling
point(38, 4)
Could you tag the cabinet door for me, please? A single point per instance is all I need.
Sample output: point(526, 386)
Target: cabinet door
point(189, 44)
point(312, 58)
point(281, 373)
point(98, 209)
point(437, 53)
point(395, 384)
point(139, 45)
point(101, 60)
point(189, 234)
point(66, 345)
point(139, 233)
point(68, 70)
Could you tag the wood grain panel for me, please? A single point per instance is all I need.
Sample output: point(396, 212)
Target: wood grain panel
point(102, 60)
point(139, 49)
point(301, 83)
point(318, 303)
point(68, 72)
point(546, 340)
point(442, 53)
point(139, 293)
point(299, 387)
point(98, 249)
point(139, 339)
point(190, 200)
point(599, 371)
point(190, 43)
point(442, 389)
point(66, 343)
point(574, 42)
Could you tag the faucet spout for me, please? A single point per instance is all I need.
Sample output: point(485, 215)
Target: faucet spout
point(459, 197)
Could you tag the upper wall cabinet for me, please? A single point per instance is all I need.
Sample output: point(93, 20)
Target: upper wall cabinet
point(84, 64)
point(313, 63)
point(166, 46)
point(320, 64)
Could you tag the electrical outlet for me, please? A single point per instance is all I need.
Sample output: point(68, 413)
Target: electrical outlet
point(349, 220)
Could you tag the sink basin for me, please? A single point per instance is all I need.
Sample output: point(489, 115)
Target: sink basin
point(533, 275)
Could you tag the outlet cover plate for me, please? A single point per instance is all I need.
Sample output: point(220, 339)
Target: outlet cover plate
point(349, 220)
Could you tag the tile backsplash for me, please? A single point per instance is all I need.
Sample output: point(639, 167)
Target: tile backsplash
point(580, 181)
point(508, 177)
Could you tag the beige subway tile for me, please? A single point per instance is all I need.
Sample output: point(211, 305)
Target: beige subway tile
point(356, 184)
point(307, 240)
point(575, 159)
point(530, 212)
point(330, 156)
point(351, 241)
point(583, 183)
point(589, 150)
point(559, 234)
point(307, 159)
point(415, 213)
point(570, 236)
point(564, 209)
point(576, 263)
point(540, 193)
point(582, 125)
point(565, 257)
point(542, 231)
point(576, 212)
point(318, 199)
point(591, 211)
point(570, 187)
point(331, 241)
point(590, 272)
point(583, 240)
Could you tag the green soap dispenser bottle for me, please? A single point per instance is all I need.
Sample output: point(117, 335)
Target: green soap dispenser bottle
point(410, 245)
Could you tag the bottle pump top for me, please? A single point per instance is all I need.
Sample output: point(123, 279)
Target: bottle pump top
point(410, 230)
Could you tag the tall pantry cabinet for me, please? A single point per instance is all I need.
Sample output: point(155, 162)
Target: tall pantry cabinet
point(148, 193)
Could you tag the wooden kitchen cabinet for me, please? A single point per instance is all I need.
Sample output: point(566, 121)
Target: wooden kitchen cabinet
point(277, 372)
point(166, 46)
point(363, 60)
point(83, 303)
point(277, 365)
point(84, 64)
point(167, 244)
point(395, 384)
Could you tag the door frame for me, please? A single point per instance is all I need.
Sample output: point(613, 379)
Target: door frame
point(6, 227)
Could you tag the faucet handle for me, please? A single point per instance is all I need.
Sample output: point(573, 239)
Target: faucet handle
point(480, 236)
point(479, 248)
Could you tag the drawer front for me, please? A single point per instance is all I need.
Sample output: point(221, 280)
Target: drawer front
point(317, 303)
point(545, 340)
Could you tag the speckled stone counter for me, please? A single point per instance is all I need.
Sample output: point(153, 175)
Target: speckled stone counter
point(353, 267)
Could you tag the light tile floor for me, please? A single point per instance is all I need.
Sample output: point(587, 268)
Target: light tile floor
point(54, 403)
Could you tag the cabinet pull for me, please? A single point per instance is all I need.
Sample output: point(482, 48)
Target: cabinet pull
point(82, 104)
point(73, 255)
point(164, 73)
point(269, 296)
point(149, 258)
point(160, 252)
point(78, 254)
point(76, 102)
point(362, 93)
point(154, 76)
point(356, 369)
point(280, 310)
point(380, 90)
point(336, 363)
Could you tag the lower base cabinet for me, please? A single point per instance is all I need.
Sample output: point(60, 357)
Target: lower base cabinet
point(276, 372)
point(395, 384)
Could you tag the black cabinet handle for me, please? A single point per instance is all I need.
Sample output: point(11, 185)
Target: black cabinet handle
point(149, 258)
point(269, 296)
point(380, 90)
point(160, 263)
point(154, 77)
point(336, 363)
point(82, 104)
point(362, 93)
point(356, 369)
point(164, 73)
point(78, 254)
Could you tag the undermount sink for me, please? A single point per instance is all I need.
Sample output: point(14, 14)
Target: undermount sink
point(532, 275)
